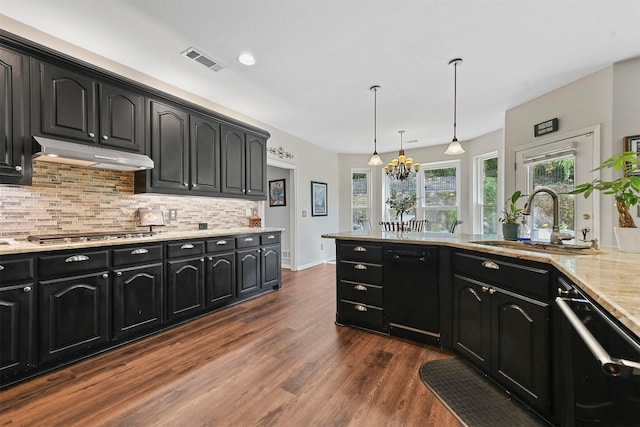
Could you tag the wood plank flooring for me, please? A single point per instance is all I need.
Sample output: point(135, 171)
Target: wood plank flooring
point(278, 360)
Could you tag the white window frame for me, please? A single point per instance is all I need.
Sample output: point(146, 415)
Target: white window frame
point(478, 202)
point(420, 186)
point(367, 172)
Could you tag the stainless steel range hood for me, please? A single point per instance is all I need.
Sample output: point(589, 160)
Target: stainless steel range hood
point(54, 150)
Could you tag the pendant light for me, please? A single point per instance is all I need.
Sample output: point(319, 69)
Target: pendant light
point(403, 167)
point(375, 157)
point(454, 147)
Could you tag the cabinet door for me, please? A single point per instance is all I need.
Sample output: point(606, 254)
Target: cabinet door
point(271, 272)
point(221, 278)
point(16, 329)
point(15, 152)
point(185, 287)
point(520, 347)
point(256, 164)
point(169, 147)
point(248, 279)
point(121, 119)
point(67, 104)
point(205, 155)
point(233, 161)
point(74, 315)
point(472, 321)
point(137, 299)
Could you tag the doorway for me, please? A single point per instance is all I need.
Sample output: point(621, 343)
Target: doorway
point(282, 214)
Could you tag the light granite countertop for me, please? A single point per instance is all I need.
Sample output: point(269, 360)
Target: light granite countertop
point(610, 277)
point(28, 247)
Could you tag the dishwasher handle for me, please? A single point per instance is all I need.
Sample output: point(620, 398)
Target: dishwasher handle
point(610, 365)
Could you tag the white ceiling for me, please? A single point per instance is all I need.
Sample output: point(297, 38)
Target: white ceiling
point(316, 59)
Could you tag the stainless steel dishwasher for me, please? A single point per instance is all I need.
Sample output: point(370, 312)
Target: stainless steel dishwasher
point(411, 292)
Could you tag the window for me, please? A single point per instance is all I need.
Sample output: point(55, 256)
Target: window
point(486, 194)
point(406, 186)
point(360, 198)
point(440, 195)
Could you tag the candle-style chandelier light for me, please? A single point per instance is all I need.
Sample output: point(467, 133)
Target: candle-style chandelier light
point(403, 167)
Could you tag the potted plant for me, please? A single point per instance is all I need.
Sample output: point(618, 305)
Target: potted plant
point(509, 218)
point(625, 191)
point(401, 202)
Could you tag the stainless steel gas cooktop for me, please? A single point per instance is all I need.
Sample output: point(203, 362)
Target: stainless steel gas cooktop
point(90, 236)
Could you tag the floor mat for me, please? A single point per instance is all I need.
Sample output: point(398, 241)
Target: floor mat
point(473, 399)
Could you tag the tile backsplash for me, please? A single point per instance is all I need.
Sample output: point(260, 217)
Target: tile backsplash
point(70, 199)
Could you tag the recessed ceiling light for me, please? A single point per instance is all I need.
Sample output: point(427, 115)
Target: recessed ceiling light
point(246, 59)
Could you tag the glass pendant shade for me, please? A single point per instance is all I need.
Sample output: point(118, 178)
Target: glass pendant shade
point(454, 148)
point(375, 160)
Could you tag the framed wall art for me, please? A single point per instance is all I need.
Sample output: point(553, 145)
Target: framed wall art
point(632, 143)
point(318, 198)
point(277, 193)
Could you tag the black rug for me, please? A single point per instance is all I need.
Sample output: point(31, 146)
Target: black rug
point(472, 398)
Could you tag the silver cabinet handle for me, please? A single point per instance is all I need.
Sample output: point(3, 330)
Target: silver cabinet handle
point(26, 289)
point(360, 307)
point(490, 264)
point(271, 237)
point(185, 184)
point(248, 239)
point(194, 185)
point(488, 289)
point(187, 246)
point(221, 242)
point(105, 137)
point(1, 267)
point(360, 249)
point(360, 288)
point(139, 251)
point(18, 168)
point(91, 134)
point(119, 274)
point(201, 259)
point(77, 258)
point(210, 258)
point(610, 365)
point(105, 276)
point(360, 267)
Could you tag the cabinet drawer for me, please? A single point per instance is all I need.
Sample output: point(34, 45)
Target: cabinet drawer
point(247, 241)
point(365, 316)
point(360, 252)
point(12, 271)
point(360, 292)
point(361, 272)
point(182, 249)
point(221, 244)
point(267, 239)
point(137, 255)
point(72, 263)
point(496, 271)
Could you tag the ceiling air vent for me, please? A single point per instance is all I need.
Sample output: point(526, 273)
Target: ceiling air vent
point(199, 57)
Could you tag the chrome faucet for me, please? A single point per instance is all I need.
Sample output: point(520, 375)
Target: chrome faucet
point(556, 236)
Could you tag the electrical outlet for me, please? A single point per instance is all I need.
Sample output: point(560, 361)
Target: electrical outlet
point(321, 246)
point(304, 214)
point(173, 214)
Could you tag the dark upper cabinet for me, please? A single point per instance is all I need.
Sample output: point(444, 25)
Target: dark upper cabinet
point(169, 147)
point(15, 148)
point(73, 105)
point(17, 314)
point(243, 163)
point(204, 152)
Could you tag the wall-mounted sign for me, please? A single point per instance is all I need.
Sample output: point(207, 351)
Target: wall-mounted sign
point(545, 127)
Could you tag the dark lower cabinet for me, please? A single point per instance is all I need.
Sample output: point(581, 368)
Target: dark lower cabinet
point(221, 276)
point(248, 279)
point(137, 299)
point(506, 335)
point(74, 315)
point(17, 314)
point(271, 268)
point(185, 287)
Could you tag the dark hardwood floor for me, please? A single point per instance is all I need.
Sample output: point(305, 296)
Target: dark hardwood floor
point(278, 360)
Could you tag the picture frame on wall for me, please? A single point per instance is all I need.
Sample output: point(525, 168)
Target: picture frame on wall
point(277, 193)
point(632, 143)
point(318, 198)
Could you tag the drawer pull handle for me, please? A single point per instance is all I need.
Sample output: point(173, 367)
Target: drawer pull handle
point(360, 307)
point(271, 237)
point(360, 288)
point(248, 239)
point(187, 246)
point(360, 267)
point(490, 264)
point(139, 251)
point(1, 267)
point(77, 258)
point(221, 242)
point(360, 249)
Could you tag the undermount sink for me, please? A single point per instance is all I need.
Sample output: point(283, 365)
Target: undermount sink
point(565, 249)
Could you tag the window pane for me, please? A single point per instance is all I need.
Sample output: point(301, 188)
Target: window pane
point(489, 196)
point(409, 187)
point(360, 199)
point(440, 220)
point(440, 187)
point(558, 176)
